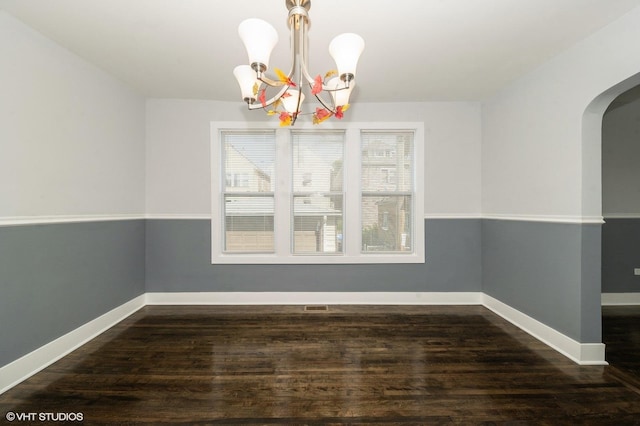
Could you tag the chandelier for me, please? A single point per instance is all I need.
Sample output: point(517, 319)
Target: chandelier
point(259, 38)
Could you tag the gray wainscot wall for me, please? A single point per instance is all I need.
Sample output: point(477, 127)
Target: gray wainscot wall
point(178, 259)
point(620, 255)
point(545, 270)
point(57, 277)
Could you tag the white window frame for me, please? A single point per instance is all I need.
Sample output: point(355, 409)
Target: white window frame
point(283, 216)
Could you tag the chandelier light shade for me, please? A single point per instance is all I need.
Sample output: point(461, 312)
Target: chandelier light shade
point(346, 49)
point(339, 90)
point(246, 77)
point(259, 38)
point(290, 101)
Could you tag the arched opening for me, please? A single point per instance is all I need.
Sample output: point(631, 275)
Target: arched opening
point(621, 232)
point(597, 174)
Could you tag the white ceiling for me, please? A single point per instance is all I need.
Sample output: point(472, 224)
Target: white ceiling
point(416, 50)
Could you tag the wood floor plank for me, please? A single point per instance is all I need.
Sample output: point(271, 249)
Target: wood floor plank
point(350, 365)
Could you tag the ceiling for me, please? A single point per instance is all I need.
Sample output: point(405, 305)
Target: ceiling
point(416, 50)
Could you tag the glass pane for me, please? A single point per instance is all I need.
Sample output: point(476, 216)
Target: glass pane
point(387, 161)
point(317, 224)
point(248, 166)
point(248, 161)
point(317, 161)
point(386, 223)
point(317, 191)
point(248, 224)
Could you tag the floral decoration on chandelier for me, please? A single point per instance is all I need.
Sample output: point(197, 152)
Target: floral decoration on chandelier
point(285, 117)
point(259, 38)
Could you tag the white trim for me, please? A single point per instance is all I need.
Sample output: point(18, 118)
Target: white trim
point(522, 218)
point(546, 218)
point(31, 363)
point(328, 259)
point(452, 216)
point(615, 299)
point(42, 220)
point(322, 298)
point(179, 216)
point(580, 353)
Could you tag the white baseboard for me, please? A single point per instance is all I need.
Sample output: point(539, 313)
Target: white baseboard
point(323, 298)
point(580, 353)
point(26, 366)
point(31, 363)
point(614, 299)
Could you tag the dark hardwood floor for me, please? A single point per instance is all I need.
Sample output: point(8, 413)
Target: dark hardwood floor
point(351, 365)
point(621, 335)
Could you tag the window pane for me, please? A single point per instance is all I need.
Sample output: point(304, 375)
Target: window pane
point(317, 191)
point(387, 161)
point(387, 188)
point(317, 224)
point(248, 224)
point(248, 161)
point(247, 172)
point(386, 223)
point(317, 161)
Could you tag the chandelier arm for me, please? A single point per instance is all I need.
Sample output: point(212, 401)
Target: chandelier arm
point(298, 23)
point(270, 82)
point(301, 67)
point(325, 88)
point(271, 101)
point(304, 71)
point(331, 109)
point(292, 33)
point(306, 75)
point(260, 75)
point(329, 89)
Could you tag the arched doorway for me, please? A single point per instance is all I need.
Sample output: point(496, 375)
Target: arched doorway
point(621, 234)
point(592, 181)
point(591, 205)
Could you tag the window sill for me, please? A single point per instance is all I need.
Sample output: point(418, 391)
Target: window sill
point(272, 259)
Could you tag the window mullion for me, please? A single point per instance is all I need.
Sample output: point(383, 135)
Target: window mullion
point(352, 227)
point(283, 216)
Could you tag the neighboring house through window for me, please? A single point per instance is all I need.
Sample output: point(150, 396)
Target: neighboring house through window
point(310, 195)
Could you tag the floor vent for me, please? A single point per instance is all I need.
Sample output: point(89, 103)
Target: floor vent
point(316, 308)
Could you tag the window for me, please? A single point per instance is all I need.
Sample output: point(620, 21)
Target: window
point(318, 202)
point(387, 191)
point(248, 207)
point(313, 195)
